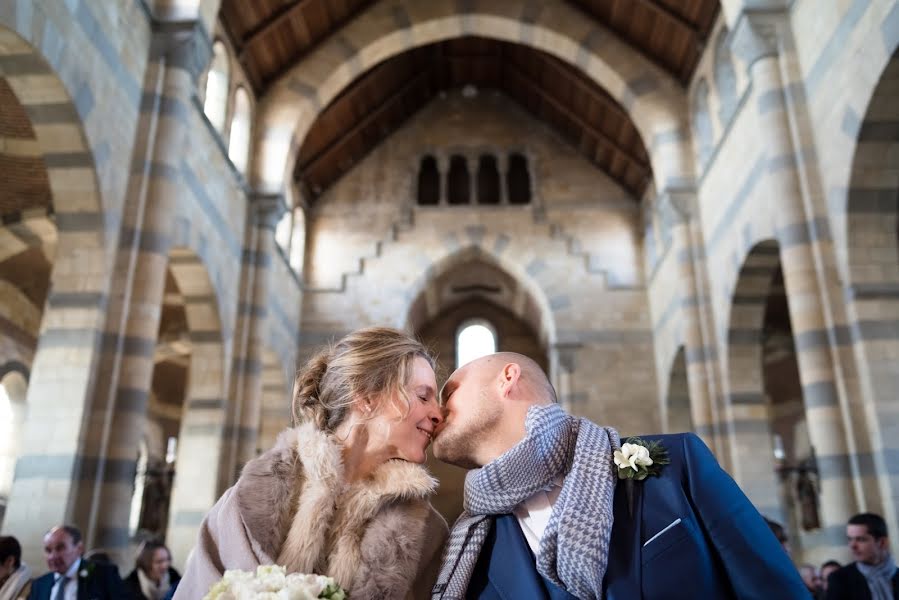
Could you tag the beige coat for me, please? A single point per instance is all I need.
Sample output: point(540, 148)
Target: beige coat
point(291, 506)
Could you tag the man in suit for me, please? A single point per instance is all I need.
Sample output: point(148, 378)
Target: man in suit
point(557, 508)
point(873, 575)
point(72, 577)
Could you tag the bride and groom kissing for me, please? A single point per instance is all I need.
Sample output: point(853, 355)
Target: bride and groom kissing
point(554, 505)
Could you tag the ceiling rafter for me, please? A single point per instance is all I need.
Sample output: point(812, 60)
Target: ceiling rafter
point(257, 33)
point(370, 118)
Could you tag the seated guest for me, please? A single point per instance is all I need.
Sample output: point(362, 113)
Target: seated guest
point(826, 569)
point(15, 576)
point(153, 575)
point(72, 576)
point(811, 579)
point(873, 575)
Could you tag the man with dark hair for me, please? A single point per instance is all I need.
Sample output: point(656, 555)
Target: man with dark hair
point(15, 576)
point(72, 577)
point(873, 575)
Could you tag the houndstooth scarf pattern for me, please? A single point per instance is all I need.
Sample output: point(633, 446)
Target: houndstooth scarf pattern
point(574, 549)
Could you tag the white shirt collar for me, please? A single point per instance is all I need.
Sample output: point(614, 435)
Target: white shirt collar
point(72, 573)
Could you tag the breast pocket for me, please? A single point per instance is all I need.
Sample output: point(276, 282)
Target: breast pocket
point(676, 564)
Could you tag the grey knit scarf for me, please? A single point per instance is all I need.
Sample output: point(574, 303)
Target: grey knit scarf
point(574, 549)
point(879, 578)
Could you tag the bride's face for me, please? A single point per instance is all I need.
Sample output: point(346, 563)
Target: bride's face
point(406, 436)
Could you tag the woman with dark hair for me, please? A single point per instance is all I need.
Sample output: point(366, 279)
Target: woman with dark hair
point(153, 575)
point(343, 493)
point(15, 576)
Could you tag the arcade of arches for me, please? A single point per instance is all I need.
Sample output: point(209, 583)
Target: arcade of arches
point(688, 212)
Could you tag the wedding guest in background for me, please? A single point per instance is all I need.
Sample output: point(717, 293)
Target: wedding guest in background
point(826, 569)
point(873, 575)
point(153, 575)
point(15, 576)
point(811, 579)
point(71, 576)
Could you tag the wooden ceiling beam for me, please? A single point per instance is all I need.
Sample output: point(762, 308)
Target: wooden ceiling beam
point(371, 117)
point(268, 24)
point(661, 9)
point(567, 112)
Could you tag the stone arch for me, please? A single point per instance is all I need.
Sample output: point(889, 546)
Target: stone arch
point(654, 100)
point(73, 318)
point(748, 403)
point(545, 326)
point(202, 434)
point(872, 257)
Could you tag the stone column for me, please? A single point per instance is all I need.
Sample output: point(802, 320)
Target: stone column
point(679, 213)
point(760, 38)
point(443, 174)
point(502, 165)
point(264, 213)
point(177, 54)
point(472, 180)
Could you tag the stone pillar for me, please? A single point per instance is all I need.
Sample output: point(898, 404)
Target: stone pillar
point(264, 213)
point(443, 174)
point(177, 54)
point(760, 39)
point(502, 165)
point(680, 214)
point(472, 180)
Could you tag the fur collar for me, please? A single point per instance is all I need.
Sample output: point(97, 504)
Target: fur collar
point(303, 514)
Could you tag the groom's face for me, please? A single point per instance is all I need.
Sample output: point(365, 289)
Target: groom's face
point(471, 412)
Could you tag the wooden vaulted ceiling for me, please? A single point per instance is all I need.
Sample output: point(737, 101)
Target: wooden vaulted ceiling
point(380, 101)
point(270, 36)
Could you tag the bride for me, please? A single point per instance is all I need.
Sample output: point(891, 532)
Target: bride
point(343, 493)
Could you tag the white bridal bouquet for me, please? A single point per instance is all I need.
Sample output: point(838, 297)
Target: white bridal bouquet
point(271, 582)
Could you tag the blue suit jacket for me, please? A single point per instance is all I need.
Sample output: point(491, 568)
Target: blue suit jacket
point(102, 583)
point(711, 542)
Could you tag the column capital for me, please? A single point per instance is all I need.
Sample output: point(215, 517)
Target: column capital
point(758, 33)
point(266, 209)
point(183, 45)
point(677, 206)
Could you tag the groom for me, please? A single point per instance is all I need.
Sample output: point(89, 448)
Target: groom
point(546, 515)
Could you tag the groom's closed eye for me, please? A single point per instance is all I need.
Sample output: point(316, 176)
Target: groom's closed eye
point(446, 392)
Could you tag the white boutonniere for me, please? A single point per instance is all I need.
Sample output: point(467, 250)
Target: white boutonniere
point(636, 460)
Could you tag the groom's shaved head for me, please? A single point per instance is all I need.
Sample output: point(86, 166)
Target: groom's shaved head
point(485, 403)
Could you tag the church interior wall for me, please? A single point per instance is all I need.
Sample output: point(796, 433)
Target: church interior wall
point(597, 295)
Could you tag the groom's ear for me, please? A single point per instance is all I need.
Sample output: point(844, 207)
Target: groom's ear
point(510, 375)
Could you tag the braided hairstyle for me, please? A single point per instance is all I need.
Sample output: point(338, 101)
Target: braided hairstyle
point(373, 363)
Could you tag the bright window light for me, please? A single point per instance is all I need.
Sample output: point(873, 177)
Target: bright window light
point(474, 340)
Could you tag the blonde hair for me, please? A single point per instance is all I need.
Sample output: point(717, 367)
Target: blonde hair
point(373, 363)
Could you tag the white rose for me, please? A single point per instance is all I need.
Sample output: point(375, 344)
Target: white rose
point(633, 456)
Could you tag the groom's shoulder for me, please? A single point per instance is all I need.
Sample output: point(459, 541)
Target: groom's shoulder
point(677, 445)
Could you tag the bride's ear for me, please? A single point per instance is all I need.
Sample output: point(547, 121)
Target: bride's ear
point(364, 405)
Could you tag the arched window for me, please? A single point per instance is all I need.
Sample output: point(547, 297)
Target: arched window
point(215, 104)
point(459, 181)
point(239, 145)
point(488, 180)
point(474, 339)
point(518, 180)
point(702, 123)
point(725, 79)
point(428, 182)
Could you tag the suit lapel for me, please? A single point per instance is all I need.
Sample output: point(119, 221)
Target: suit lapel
point(508, 571)
point(624, 573)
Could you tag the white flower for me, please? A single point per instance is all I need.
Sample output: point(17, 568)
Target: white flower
point(271, 582)
point(633, 456)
